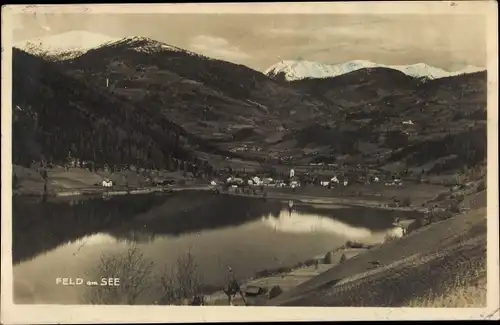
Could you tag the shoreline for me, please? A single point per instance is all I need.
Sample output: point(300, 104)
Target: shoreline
point(332, 200)
point(106, 193)
point(298, 273)
point(298, 198)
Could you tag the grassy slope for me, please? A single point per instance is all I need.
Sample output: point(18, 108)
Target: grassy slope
point(471, 292)
point(432, 265)
point(62, 180)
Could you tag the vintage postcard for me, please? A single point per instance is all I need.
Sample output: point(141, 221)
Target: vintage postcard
point(246, 162)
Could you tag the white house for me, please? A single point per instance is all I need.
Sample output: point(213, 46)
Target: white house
point(335, 180)
point(213, 183)
point(267, 181)
point(106, 183)
point(409, 122)
point(238, 180)
point(256, 180)
point(396, 232)
point(323, 183)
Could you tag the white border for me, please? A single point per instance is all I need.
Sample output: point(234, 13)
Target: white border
point(39, 314)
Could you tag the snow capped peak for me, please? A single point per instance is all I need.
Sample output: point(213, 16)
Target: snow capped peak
point(419, 70)
point(145, 45)
point(139, 38)
point(73, 44)
point(302, 69)
point(296, 70)
point(64, 45)
point(468, 69)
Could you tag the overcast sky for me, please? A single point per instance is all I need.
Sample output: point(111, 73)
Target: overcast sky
point(260, 40)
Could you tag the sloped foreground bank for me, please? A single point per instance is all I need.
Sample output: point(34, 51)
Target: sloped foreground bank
point(440, 265)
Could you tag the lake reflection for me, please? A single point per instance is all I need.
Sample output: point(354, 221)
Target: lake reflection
point(61, 240)
point(303, 223)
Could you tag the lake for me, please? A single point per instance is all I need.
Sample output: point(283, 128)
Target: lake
point(68, 238)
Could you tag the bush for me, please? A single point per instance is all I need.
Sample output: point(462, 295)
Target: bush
point(406, 201)
point(343, 258)
point(351, 244)
point(263, 274)
point(328, 258)
point(440, 197)
point(310, 262)
point(275, 291)
point(455, 208)
point(481, 186)
point(284, 269)
point(389, 238)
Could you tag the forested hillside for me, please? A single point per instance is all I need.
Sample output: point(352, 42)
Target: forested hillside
point(56, 117)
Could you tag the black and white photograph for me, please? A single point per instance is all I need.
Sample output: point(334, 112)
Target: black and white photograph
point(338, 157)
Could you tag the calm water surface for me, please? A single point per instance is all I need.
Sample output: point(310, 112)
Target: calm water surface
point(68, 238)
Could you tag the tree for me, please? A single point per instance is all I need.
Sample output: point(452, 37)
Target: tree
point(15, 181)
point(134, 272)
point(182, 281)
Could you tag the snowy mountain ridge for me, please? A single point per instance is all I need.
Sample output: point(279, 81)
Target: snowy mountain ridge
point(146, 45)
point(65, 45)
point(72, 44)
point(302, 69)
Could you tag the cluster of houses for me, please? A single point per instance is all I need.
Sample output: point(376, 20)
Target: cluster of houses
point(245, 148)
point(334, 181)
point(394, 182)
point(257, 181)
point(293, 182)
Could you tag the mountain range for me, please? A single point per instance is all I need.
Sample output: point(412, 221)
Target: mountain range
point(296, 70)
point(65, 45)
point(140, 101)
point(75, 43)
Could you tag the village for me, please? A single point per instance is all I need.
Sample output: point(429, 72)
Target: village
point(233, 182)
point(329, 175)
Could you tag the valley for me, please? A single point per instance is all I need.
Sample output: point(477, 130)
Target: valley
point(148, 117)
point(370, 114)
